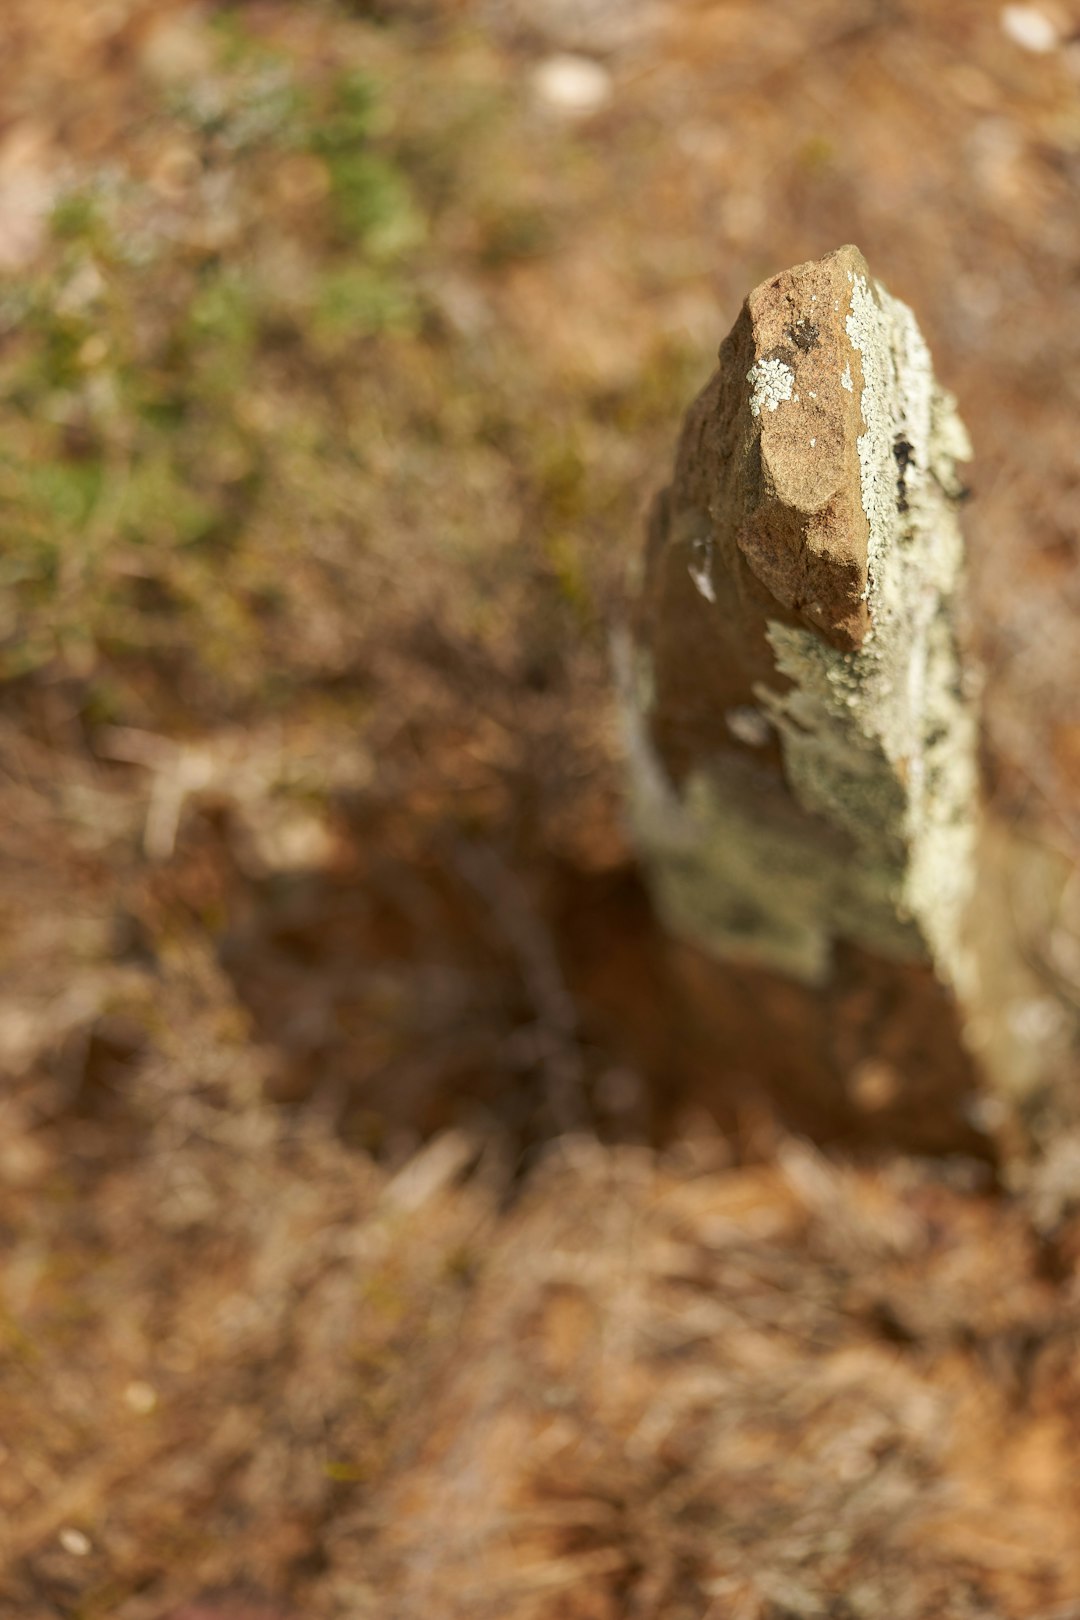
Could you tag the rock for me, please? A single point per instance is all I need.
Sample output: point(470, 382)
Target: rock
point(804, 734)
point(573, 86)
point(802, 727)
point(1030, 28)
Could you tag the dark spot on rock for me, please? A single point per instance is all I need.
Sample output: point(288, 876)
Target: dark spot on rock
point(784, 352)
point(805, 335)
point(904, 452)
point(905, 458)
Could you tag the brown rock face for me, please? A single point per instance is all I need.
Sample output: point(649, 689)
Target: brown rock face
point(806, 537)
point(803, 742)
point(763, 520)
point(803, 755)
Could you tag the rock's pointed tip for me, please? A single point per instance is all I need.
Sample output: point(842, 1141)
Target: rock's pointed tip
point(836, 269)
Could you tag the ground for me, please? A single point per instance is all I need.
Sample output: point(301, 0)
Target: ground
point(355, 1258)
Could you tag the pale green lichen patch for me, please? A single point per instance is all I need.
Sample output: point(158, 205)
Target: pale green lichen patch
point(720, 877)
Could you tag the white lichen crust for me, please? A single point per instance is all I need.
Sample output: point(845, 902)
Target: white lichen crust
point(771, 383)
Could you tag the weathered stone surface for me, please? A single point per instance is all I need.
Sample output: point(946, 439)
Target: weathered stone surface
point(804, 742)
point(801, 727)
point(806, 536)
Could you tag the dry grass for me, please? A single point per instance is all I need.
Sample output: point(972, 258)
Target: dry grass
point(256, 1362)
point(786, 1391)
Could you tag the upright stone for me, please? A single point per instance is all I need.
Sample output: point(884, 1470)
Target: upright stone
point(803, 731)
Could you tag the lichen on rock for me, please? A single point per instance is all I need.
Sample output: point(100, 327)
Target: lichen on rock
point(771, 382)
point(817, 472)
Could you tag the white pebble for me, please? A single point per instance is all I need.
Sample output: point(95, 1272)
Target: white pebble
point(74, 1542)
point(574, 85)
point(140, 1396)
point(1029, 28)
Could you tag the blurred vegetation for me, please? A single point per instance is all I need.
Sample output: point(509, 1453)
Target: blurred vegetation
point(160, 384)
point(205, 374)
